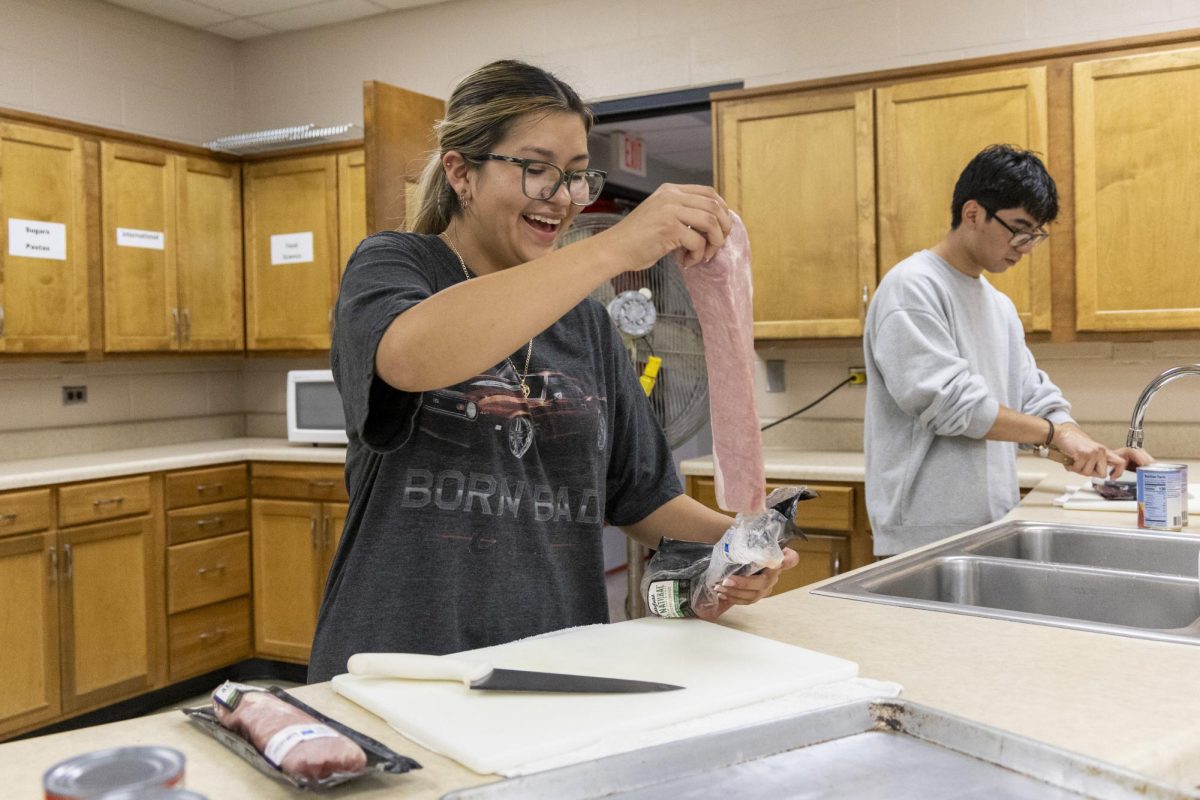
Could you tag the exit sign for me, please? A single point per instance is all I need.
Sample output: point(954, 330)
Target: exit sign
point(629, 153)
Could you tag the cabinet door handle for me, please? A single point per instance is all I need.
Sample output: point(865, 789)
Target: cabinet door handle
point(7, 519)
point(866, 295)
point(837, 563)
point(204, 523)
point(108, 501)
point(321, 484)
point(175, 323)
point(53, 563)
point(69, 561)
point(187, 326)
point(201, 488)
point(215, 636)
point(312, 531)
point(1, 320)
point(326, 536)
point(205, 570)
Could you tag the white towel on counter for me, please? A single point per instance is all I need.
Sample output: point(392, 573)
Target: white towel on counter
point(789, 705)
point(1084, 498)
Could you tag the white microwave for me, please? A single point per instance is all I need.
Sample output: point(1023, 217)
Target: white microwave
point(314, 408)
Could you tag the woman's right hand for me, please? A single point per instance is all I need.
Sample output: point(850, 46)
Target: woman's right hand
point(691, 219)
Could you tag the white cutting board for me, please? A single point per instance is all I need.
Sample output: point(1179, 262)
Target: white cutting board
point(487, 732)
point(1085, 498)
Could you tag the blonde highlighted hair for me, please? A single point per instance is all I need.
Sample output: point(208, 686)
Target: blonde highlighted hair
point(483, 108)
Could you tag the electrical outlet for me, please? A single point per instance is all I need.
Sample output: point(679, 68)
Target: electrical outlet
point(858, 376)
point(74, 395)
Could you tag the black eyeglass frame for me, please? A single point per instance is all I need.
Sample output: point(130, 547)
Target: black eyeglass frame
point(1032, 238)
point(564, 176)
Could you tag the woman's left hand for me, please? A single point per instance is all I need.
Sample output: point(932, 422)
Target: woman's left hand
point(742, 590)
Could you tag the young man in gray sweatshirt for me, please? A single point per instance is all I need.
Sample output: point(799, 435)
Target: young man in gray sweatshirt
point(952, 388)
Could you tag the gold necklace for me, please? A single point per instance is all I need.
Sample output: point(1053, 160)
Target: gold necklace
point(528, 352)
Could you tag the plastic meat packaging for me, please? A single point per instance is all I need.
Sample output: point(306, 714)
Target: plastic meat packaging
point(681, 577)
point(291, 741)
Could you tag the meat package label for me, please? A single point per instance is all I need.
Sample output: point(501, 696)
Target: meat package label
point(33, 239)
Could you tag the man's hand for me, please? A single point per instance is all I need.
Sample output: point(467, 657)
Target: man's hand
point(1089, 457)
point(1134, 457)
point(742, 590)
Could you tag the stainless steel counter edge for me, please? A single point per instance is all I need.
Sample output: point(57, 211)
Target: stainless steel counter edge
point(115, 463)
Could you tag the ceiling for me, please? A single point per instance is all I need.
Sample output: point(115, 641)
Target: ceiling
point(247, 19)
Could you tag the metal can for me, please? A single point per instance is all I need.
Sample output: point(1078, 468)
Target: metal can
point(150, 793)
point(92, 774)
point(1162, 494)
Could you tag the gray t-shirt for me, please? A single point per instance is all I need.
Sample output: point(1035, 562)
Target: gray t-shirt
point(943, 352)
point(476, 514)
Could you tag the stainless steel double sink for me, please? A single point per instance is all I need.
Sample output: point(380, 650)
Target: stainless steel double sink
point(1107, 580)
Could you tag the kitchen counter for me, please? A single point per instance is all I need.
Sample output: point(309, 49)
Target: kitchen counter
point(842, 465)
point(1122, 700)
point(114, 463)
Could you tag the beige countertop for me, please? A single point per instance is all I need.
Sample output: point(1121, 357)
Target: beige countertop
point(842, 465)
point(114, 463)
point(1122, 700)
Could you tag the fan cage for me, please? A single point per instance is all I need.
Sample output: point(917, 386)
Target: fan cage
point(680, 395)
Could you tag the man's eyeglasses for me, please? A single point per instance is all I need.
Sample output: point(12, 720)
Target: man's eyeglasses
point(1019, 238)
point(540, 179)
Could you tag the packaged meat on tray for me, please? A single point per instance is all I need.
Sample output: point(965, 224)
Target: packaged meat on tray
point(290, 741)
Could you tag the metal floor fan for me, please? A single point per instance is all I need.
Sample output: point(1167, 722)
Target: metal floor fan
point(653, 311)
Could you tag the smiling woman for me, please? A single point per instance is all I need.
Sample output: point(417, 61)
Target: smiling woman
point(494, 422)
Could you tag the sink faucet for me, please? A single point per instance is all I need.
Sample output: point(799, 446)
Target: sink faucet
point(1136, 434)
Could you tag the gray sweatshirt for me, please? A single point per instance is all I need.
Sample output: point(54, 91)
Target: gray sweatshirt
point(943, 352)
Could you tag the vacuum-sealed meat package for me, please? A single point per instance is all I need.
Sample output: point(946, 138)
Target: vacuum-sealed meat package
point(681, 578)
point(290, 741)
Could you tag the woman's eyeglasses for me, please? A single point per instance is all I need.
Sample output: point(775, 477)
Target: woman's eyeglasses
point(540, 179)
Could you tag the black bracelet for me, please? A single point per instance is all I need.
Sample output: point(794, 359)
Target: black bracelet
point(1049, 436)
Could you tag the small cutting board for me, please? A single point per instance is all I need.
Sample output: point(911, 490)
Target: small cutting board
point(1084, 498)
point(488, 732)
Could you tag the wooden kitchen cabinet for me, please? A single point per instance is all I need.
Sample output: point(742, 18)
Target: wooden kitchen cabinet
point(839, 536)
point(44, 189)
point(352, 205)
point(208, 569)
point(110, 590)
point(927, 132)
point(107, 590)
point(292, 252)
point(30, 691)
point(172, 251)
point(295, 536)
point(1136, 169)
point(800, 171)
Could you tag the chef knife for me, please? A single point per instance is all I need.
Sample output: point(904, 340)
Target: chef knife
point(477, 674)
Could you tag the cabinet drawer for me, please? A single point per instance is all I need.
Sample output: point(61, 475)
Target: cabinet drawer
point(299, 481)
point(203, 522)
point(21, 512)
point(207, 571)
point(832, 511)
point(196, 486)
point(92, 502)
point(208, 638)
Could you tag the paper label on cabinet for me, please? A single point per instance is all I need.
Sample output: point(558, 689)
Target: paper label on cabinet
point(292, 248)
point(32, 239)
point(147, 240)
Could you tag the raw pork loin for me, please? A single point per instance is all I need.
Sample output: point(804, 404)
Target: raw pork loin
point(722, 293)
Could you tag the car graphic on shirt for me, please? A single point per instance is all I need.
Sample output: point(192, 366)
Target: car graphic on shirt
point(558, 412)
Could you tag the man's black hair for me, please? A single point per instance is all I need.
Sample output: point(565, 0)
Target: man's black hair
point(1003, 176)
